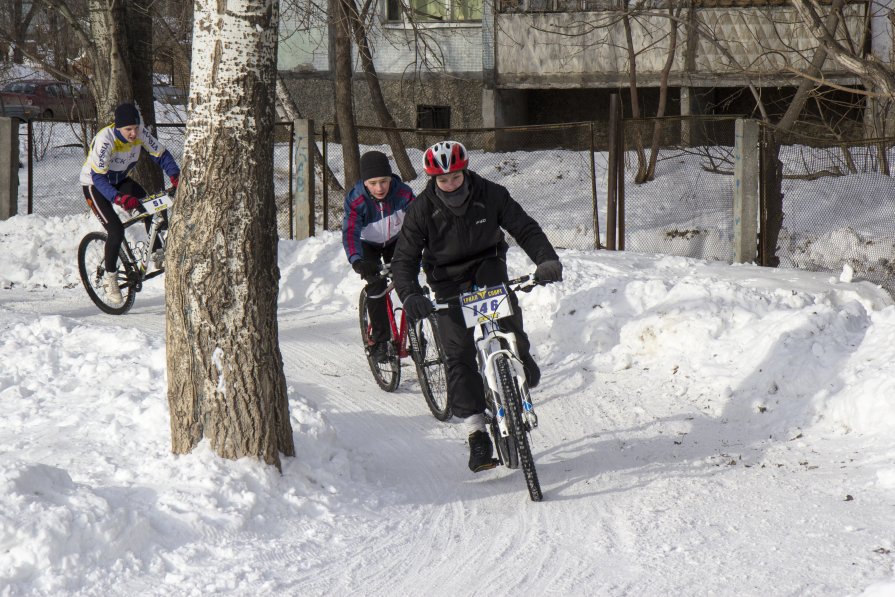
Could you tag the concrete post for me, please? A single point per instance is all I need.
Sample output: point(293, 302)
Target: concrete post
point(9, 167)
point(745, 193)
point(303, 179)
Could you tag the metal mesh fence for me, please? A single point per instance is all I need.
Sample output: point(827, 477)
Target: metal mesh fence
point(685, 207)
point(548, 170)
point(837, 207)
point(836, 196)
point(53, 153)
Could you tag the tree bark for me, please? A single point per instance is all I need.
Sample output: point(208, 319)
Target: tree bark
point(21, 21)
point(876, 74)
point(399, 151)
point(225, 371)
point(111, 81)
point(140, 53)
point(803, 92)
point(635, 99)
point(344, 107)
point(663, 92)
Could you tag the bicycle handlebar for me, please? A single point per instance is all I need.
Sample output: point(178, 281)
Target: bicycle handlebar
point(524, 283)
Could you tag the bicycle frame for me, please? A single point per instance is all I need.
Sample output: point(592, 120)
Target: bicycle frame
point(490, 344)
point(398, 329)
point(142, 263)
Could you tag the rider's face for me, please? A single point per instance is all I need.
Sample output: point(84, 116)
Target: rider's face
point(378, 187)
point(449, 182)
point(129, 132)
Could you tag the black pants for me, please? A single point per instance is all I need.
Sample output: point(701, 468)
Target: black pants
point(376, 308)
point(108, 217)
point(466, 390)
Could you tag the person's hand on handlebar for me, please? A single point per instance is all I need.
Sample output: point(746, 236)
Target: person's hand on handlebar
point(367, 268)
point(418, 307)
point(549, 271)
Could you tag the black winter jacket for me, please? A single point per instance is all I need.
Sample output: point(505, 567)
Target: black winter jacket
point(451, 246)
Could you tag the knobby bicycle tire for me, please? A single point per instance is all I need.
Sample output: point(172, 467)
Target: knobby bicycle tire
point(387, 374)
point(428, 357)
point(518, 433)
point(91, 266)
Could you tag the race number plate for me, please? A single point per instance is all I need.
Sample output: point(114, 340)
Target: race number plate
point(157, 203)
point(488, 304)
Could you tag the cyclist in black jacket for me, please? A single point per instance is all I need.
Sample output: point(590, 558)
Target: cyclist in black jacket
point(455, 227)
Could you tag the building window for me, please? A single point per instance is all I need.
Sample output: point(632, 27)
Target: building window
point(434, 10)
point(433, 117)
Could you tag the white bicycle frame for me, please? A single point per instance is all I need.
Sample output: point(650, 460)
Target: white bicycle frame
point(155, 205)
point(490, 342)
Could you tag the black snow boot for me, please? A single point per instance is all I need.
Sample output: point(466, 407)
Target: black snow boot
point(481, 452)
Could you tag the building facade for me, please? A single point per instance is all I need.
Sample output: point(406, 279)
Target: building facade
point(482, 63)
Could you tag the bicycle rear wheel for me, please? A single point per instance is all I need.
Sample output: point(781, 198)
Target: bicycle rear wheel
point(518, 431)
point(387, 374)
point(428, 356)
point(91, 266)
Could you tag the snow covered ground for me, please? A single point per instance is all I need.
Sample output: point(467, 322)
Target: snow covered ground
point(706, 429)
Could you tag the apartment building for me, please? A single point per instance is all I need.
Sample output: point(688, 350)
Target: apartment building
point(475, 63)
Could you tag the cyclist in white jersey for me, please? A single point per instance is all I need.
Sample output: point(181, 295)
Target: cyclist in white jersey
point(105, 178)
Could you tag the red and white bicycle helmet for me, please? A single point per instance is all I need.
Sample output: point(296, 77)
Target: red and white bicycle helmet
point(445, 157)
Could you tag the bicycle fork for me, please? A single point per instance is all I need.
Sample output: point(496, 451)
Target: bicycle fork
point(488, 354)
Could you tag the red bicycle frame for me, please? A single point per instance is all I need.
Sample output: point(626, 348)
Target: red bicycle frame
point(399, 331)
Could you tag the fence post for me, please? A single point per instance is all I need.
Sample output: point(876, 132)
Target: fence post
point(593, 189)
point(612, 174)
point(303, 179)
point(745, 193)
point(9, 167)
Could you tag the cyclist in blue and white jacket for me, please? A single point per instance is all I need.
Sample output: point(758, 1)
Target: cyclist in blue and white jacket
point(105, 179)
point(374, 214)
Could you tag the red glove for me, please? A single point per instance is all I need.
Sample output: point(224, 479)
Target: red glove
point(128, 202)
point(175, 180)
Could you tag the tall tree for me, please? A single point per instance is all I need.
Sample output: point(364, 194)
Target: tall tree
point(111, 80)
point(344, 92)
point(140, 52)
point(19, 19)
point(225, 371)
point(405, 167)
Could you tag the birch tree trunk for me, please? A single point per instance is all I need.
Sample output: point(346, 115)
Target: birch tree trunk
point(225, 371)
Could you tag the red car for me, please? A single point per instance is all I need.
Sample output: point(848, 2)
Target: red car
point(45, 99)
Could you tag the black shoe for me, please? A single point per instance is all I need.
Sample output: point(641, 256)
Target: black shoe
point(532, 371)
point(481, 452)
point(379, 352)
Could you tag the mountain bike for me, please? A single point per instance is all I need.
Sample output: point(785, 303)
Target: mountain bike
point(419, 341)
point(510, 414)
point(134, 256)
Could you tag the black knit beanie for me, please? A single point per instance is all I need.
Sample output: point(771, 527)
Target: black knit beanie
point(126, 115)
point(374, 164)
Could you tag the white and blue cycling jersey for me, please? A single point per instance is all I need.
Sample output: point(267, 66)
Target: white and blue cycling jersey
point(112, 157)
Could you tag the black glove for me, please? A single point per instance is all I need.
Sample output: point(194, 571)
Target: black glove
point(366, 268)
point(418, 307)
point(549, 271)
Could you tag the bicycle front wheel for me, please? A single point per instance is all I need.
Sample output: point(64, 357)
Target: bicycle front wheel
point(91, 266)
point(428, 356)
point(518, 431)
point(387, 373)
